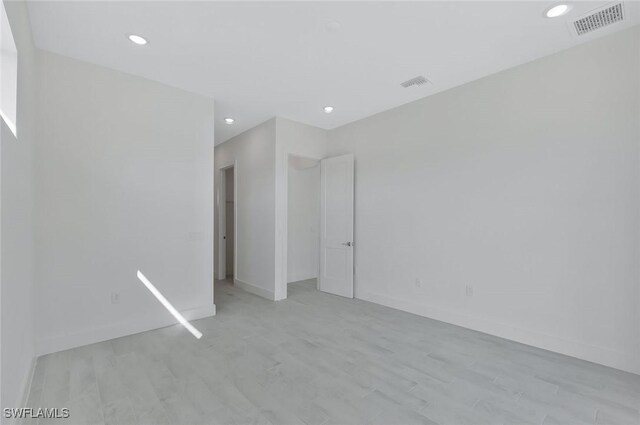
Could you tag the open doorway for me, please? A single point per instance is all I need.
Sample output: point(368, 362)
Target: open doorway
point(316, 230)
point(230, 225)
point(303, 223)
point(227, 225)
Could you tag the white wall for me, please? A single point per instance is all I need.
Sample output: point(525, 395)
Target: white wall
point(261, 156)
point(124, 181)
point(253, 154)
point(523, 185)
point(303, 220)
point(8, 71)
point(292, 138)
point(16, 302)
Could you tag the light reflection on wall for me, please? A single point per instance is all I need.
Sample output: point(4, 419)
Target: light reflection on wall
point(168, 306)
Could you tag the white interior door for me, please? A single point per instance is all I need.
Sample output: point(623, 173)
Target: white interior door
point(336, 226)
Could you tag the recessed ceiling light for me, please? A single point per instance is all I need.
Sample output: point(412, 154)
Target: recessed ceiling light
point(229, 121)
point(136, 39)
point(328, 109)
point(557, 10)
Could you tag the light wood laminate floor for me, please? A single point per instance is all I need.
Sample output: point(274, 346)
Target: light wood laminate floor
point(321, 359)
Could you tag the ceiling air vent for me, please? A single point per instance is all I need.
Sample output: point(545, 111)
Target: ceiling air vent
point(599, 18)
point(416, 81)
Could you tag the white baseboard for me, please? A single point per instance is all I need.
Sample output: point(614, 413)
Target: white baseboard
point(595, 354)
point(297, 277)
point(65, 342)
point(256, 290)
point(26, 386)
point(24, 392)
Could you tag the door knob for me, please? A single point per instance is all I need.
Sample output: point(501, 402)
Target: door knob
point(346, 243)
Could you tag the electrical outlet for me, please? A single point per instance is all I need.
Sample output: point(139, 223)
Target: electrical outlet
point(469, 291)
point(418, 283)
point(115, 298)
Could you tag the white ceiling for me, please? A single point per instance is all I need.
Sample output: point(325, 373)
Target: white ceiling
point(263, 59)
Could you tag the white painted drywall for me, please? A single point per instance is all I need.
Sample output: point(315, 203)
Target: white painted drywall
point(124, 181)
point(16, 279)
point(292, 138)
point(303, 220)
point(8, 72)
point(523, 185)
point(252, 152)
point(260, 156)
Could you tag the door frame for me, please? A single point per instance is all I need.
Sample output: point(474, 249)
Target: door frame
point(221, 200)
point(281, 284)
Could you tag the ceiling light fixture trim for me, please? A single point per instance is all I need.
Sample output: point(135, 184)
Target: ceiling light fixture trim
point(137, 39)
point(557, 10)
